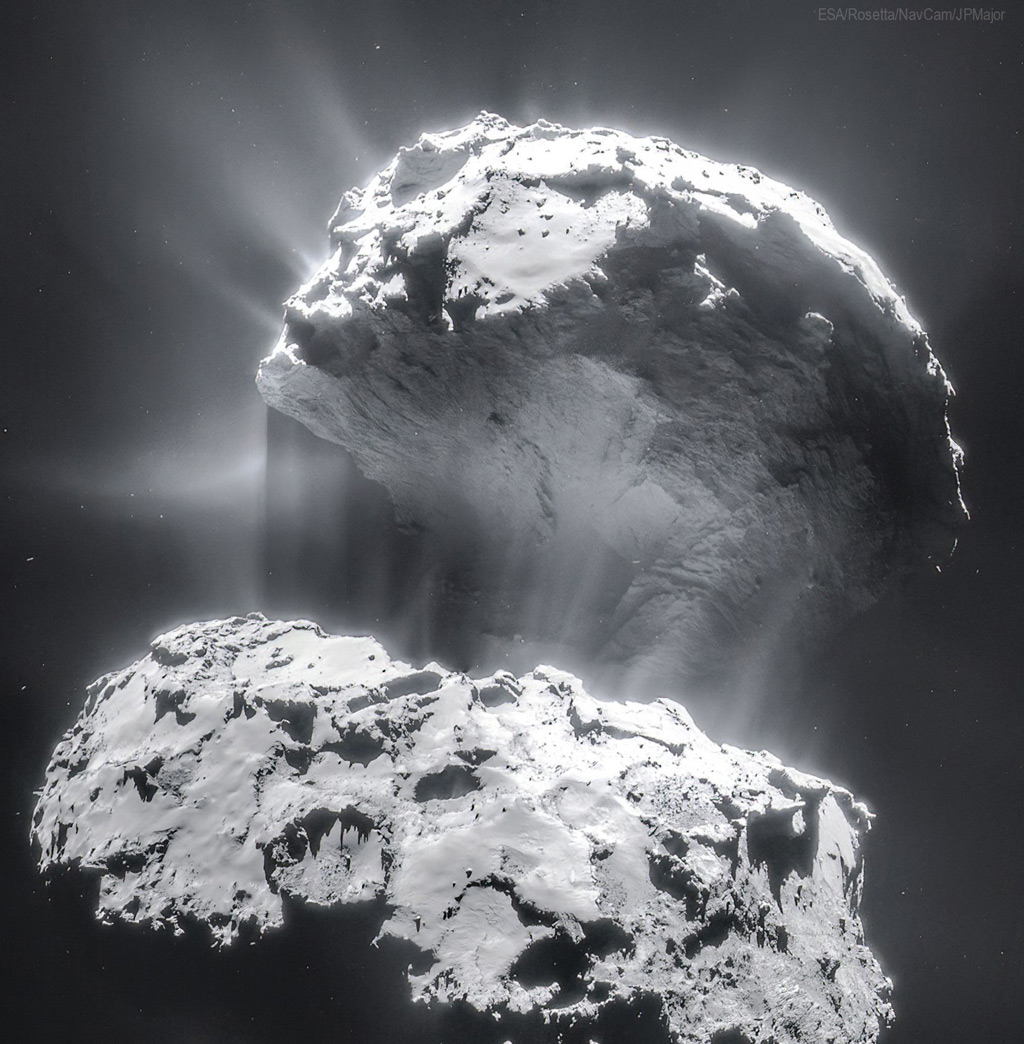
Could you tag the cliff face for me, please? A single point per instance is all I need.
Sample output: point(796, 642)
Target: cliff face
point(544, 858)
point(665, 411)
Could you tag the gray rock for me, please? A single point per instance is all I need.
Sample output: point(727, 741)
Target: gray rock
point(542, 853)
point(667, 416)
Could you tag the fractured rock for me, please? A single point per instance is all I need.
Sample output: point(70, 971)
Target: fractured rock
point(541, 854)
point(665, 413)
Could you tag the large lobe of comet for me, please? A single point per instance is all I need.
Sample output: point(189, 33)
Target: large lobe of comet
point(666, 417)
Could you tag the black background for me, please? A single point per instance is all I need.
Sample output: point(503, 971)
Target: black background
point(168, 170)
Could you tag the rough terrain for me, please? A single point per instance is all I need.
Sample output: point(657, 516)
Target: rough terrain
point(541, 855)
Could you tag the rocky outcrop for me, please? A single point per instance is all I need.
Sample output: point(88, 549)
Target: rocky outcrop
point(665, 412)
point(540, 855)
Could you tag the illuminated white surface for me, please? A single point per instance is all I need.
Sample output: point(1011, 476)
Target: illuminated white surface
point(200, 780)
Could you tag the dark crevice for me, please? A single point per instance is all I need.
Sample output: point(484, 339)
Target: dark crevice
point(356, 746)
point(306, 835)
point(477, 756)
point(453, 781)
point(712, 933)
point(495, 695)
point(167, 700)
point(418, 684)
point(624, 734)
point(426, 277)
point(528, 914)
point(143, 784)
point(462, 310)
point(166, 658)
point(295, 718)
point(673, 877)
point(299, 758)
point(132, 862)
point(778, 842)
point(588, 186)
point(561, 960)
point(555, 960)
point(358, 703)
point(336, 348)
point(583, 728)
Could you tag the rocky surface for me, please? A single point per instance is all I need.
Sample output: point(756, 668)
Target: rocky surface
point(668, 416)
point(538, 853)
